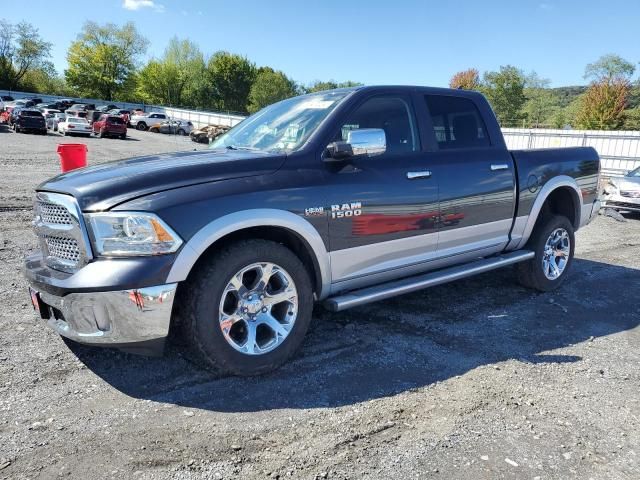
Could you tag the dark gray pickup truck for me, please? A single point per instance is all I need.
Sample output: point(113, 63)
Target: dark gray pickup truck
point(342, 197)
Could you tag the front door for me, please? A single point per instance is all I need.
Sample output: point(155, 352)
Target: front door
point(383, 210)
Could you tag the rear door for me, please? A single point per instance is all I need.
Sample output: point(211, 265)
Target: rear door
point(475, 174)
point(383, 210)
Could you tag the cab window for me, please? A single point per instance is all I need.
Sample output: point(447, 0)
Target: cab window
point(456, 122)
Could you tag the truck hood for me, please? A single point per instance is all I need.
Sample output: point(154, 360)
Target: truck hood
point(104, 186)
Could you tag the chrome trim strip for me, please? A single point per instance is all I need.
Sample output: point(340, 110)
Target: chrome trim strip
point(259, 217)
point(117, 317)
point(408, 285)
point(545, 191)
point(499, 166)
point(418, 175)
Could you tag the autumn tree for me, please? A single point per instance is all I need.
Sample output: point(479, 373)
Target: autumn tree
point(603, 105)
point(103, 60)
point(22, 50)
point(466, 80)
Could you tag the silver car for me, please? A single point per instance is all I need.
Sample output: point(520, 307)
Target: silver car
point(54, 119)
point(624, 193)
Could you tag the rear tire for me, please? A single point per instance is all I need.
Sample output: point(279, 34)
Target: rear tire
point(123, 136)
point(141, 126)
point(226, 293)
point(553, 242)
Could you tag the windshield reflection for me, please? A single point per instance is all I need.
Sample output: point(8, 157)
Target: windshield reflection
point(283, 126)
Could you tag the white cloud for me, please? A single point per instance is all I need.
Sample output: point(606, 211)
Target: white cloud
point(138, 4)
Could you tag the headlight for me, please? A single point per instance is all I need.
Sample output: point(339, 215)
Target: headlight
point(131, 233)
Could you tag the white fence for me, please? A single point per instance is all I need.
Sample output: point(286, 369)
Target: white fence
point(619, 151)
point(198, 118)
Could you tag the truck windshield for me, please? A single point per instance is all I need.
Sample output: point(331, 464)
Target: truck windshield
point(283, 126)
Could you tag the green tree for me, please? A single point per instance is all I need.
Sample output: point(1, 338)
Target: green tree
point(540, 102)
point(45, 79)
point(103, 60)
point(608, 68)
point(466, 80)
point(230, 79)
point(319, 86)
point(270, 87)
point(505, 91)
point(21, 49)
point(173, 79)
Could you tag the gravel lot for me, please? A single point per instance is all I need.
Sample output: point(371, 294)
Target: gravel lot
point(480, 379)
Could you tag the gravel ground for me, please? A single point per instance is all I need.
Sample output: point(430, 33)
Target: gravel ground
point(480, 379)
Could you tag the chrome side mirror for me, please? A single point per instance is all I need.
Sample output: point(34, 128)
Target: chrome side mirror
point(361, 142)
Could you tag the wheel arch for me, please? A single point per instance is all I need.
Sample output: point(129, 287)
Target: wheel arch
point(560, 195)
point(270, 224)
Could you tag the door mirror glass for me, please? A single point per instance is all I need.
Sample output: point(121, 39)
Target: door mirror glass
point(361, 142)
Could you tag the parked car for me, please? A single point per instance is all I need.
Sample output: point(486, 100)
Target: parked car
point(110, 126)
point(124, 114)
point(48, 111)
point(35, 100)
point(142, 122)
point(54, 120)
point(74, 126)
point(29, 120)
point(623, 193)
point(65, 103)
point(79, 109)
point(173, 127)
point(106, 108)
point(6, 98)
point(230, 247)
point(93, 115)
point(208, 133)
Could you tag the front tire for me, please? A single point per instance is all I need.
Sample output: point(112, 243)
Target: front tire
point(553, 242)
point(247, 308)
point(141, 126)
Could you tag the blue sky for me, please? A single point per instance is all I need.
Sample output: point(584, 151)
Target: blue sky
point(419, 42)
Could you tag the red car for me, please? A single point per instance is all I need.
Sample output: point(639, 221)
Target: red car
point(110, 126)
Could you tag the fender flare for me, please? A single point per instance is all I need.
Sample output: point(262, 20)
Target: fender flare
point(545, 191)
point(259, 217)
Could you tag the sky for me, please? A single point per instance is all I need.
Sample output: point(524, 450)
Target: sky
point(417, 42)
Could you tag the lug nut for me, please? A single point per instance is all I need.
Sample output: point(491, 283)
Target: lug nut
point(264, 309)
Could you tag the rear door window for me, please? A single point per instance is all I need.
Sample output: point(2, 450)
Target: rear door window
point(456, 122)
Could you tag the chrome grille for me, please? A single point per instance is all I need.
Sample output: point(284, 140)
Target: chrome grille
point(63, 248)
point(60, 228)
point(630, 194)
point(53, 213)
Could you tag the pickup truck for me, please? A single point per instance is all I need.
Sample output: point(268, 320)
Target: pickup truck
point(342, 197)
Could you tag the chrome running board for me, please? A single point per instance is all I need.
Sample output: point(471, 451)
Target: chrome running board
point(431, 279)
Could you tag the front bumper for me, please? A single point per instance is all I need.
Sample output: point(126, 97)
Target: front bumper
point(116, 318)
point(622, 202)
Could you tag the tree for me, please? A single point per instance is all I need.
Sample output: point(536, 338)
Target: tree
point(172, 80)
point(319, 86)
point(45, 79)
point(609, 68)
point(103, 60)
point(466, 80)
point(505, 91)
point(230, 79)
point(21, 50)
point(603, 105)
point(540, 103)
point(270, 87)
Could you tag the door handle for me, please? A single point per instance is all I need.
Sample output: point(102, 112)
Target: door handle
point(499, 166)
point(417, 175)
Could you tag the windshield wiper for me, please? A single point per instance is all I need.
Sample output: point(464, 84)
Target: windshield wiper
point(235, 147)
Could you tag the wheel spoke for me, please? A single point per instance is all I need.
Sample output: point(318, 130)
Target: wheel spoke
point(277, 327)
point(238, 286)
point(287, 295)
point(250, 345)
point(266, 272)
point(228, 321)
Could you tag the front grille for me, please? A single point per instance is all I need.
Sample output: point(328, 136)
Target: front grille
point(53, 213)
point(58, 224)
point(63, 248)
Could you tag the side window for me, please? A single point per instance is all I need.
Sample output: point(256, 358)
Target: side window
point(393, 114)
point(456, 122)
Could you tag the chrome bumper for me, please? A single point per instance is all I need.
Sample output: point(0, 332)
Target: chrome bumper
point(111, 318)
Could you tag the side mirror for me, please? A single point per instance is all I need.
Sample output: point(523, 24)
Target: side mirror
point(362, 142)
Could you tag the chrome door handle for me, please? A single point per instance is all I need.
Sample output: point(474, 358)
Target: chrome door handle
point(499, 166)
point(416, 175)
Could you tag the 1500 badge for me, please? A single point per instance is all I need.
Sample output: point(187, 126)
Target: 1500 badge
point(346, 210)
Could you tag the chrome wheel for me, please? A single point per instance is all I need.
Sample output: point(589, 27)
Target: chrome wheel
point(258, 308)
point(556, 253)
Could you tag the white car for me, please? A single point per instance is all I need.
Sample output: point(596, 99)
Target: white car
point(143, 122)
point(54, 120)
point(74, 126)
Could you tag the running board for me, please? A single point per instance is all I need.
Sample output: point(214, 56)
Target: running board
point(407, 285)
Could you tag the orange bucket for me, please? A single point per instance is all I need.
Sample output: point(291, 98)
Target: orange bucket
point(72, 156)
